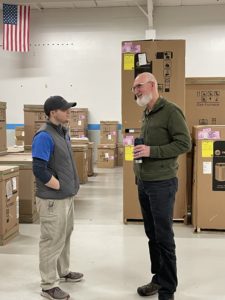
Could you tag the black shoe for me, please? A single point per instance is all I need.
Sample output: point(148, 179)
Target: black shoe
point(148, 289)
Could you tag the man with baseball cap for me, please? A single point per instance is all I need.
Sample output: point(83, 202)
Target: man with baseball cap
point(57, 184)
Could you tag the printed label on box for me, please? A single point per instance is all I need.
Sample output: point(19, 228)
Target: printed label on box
point(111, 157)
point(106, 155)
point(208, 135)
point(14, 184)
point(207, 167)
point(128, 62)
point(79, 123)
point(17, 207)
point(130, 47)
point(207, 148)
point(208, 98)
point(109, 137)
point(128, 140)
point(129, 156)
point(9, 189)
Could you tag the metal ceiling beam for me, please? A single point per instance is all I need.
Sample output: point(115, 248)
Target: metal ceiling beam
point(148, 13)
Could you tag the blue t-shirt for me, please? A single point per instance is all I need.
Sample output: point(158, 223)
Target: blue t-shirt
point(42, 146)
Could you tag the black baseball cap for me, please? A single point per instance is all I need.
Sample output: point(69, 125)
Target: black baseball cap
point(57, 102)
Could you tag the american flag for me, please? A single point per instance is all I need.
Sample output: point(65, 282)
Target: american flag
point(16, 27)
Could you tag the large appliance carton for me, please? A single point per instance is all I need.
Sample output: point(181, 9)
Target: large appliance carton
point(80, 155)
point(166, 60)
point(9, 213)
point(27, 200)
point(208, 207)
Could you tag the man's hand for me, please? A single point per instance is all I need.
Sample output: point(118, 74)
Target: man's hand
point(53, 183)
point(141, 151)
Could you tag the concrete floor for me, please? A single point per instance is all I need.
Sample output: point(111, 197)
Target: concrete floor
point(113, 256)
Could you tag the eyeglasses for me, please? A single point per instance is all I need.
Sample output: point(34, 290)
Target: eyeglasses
point(138, 86)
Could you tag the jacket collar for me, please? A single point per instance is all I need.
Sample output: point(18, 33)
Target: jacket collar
point(160, 102)
point(59, 128)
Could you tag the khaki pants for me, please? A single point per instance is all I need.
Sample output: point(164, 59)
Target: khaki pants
point(56, 224)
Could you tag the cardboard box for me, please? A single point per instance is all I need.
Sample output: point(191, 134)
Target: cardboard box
point(205, 103)
point(109, 137)
point(106, 156)
point(75, 133)
point(80, 155)
point(208, 207)
point(120, 153)
point(108, 132)
point(85, 141)
point(90, 158)
point(109, 126)
point(166, 60)
point(27, 199)
point(79, 119)
point(34, 117)
point(19, 135)
point(3, 107)
point(3, 139)
point(131, 207)
point(9, 224)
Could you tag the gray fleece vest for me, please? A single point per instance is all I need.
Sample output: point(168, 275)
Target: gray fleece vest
point(61, 165)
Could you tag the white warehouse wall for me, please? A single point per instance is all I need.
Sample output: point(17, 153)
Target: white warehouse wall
point(88, 68)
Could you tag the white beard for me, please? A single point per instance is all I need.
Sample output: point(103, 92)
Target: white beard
point(144, 100)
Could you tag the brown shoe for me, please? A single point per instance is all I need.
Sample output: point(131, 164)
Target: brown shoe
point(72, 277)
point(55, 294)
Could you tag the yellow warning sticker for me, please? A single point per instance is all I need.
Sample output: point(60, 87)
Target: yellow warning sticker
point(207, 148)
point(129, 156)
point(128, 63)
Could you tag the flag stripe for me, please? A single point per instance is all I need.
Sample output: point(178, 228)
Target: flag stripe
point(16, 35)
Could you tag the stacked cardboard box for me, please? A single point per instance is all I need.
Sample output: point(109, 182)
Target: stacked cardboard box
point(80, 155)
point(204, 105)
point(107, 156)
point(85, 141)
point(208, 207)
point(27, 200)
point(107, 149)
point(108, 132)
point(9, 214)
point(34, 118)
point(78, 122)
point(166, 60)
point(3, 140)
point(19, 135)
point(120, 153)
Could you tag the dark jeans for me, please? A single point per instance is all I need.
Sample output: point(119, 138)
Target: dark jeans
point(157, 202)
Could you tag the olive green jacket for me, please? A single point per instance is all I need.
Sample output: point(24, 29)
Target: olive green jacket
point(164, 129)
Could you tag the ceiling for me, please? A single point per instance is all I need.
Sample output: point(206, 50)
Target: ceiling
point(48, 4)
